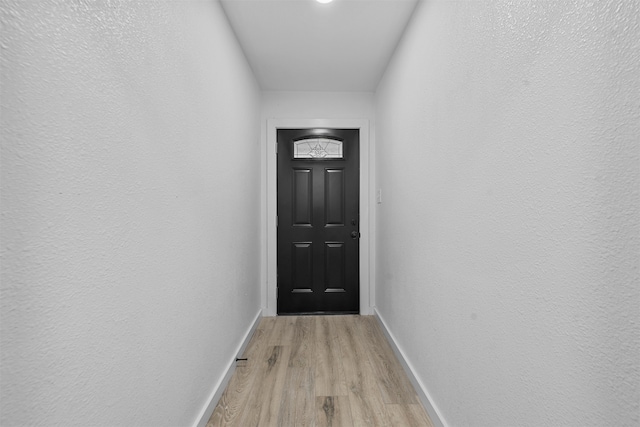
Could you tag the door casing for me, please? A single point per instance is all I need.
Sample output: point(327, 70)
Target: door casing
point(269, 292)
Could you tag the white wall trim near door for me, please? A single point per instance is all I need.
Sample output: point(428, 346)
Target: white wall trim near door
point(421, 390)
point(366, 226)
point(218, 389)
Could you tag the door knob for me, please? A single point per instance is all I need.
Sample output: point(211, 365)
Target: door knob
point(355, 234)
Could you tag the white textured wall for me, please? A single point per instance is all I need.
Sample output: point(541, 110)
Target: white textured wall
point(308, 105)
point(318, 105)
point(508, 140)
point(130, 210)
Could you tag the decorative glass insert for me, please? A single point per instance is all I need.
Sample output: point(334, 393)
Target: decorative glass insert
point(317, 148)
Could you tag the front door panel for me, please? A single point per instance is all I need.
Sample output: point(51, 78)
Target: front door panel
point(318, 221)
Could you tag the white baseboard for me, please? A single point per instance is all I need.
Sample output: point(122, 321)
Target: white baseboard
point(218, 389)
point(423, 394)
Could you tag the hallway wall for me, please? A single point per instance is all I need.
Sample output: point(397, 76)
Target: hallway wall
point(508, 249)
point(318, 105)
point(130, 210)
point(310, 105)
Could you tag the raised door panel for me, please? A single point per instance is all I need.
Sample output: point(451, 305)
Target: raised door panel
point(302, 267)
point(334, 267)
point(334, 197)
point(302, 197)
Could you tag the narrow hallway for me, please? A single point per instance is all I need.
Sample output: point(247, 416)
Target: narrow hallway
point(498, 232)
point(322, 371)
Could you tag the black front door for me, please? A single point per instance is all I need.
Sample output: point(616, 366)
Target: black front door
point(318, 221)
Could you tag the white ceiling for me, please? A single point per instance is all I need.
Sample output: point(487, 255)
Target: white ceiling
point(302, 45)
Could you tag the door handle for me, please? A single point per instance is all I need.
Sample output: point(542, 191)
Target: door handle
point(355, 234)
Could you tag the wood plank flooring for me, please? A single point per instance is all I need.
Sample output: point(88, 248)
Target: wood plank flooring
point(322, 371)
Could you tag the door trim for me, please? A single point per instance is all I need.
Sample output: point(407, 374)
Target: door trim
point(269, 299)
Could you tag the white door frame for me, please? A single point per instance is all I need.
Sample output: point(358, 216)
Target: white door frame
point(366, 228)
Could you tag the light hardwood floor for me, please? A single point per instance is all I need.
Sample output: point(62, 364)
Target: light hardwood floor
point(319, 371)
